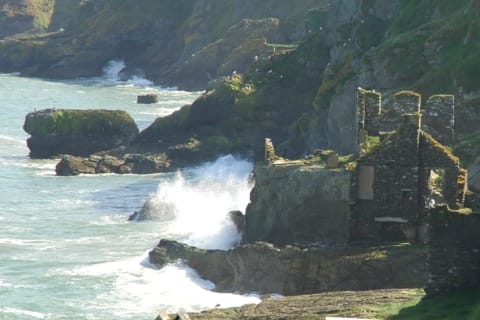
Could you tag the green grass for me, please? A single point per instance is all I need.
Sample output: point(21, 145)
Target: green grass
point(282, 45)
point(454, 306)
point(390, 310)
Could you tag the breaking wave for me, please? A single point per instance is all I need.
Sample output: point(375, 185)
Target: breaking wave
point(194, 204)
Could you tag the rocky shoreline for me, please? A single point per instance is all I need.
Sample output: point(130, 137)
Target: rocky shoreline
point(294, 80)
point(291, 270)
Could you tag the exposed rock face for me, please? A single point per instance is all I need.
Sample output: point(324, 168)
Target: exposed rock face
point(234, 52)
point(77, 132)
point(299, 204)
point(23, 16)
point(158, 37)
point(129, 163)
point(291, 270)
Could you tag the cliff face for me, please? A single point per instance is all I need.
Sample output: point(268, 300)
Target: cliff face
point(156, 37)
point(23, 16)
point(301, 61)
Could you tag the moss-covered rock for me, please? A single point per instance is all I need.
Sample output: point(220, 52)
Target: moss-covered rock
point(77, 132)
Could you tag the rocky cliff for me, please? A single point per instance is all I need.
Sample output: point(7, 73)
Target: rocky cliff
point(300, 63)
point(161, 39)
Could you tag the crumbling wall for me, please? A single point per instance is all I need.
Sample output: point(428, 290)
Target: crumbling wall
point(439, 118)
point(369, 110)
point(454, 251)
point(405, 102)
point(295, 203)
point(434, 155)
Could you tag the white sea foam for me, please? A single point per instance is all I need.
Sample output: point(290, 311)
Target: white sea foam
point(195, 204)
point(136, 285)
point(111, 71)
point(22, 312)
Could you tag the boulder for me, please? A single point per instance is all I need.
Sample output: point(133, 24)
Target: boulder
point(147, 99)
point(238, 219)
point(72, 166)
point(77, 132)
point(290, 270)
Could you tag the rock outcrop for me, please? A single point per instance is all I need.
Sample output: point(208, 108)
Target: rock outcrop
point(292, 270)
point(235, 51)
point(77, 132)
point(147, 99)
point(104, 163)
point(297, 203)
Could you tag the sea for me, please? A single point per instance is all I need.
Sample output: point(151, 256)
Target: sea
point(67, 249)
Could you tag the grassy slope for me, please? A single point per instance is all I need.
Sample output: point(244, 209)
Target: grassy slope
point(450, 28)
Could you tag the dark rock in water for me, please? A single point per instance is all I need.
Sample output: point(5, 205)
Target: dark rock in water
point(77, 132)
point(147, 99)
point(154, 209)
point(72, 166)
point(134, 216)
point(238, 219)
point(130, 163)
point(291, 270)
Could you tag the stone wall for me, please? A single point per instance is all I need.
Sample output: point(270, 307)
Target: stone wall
point(369, 110)
point(439, 118)
point(294, 203)
point(392, 199)
point(438, 113)
point(454, 251)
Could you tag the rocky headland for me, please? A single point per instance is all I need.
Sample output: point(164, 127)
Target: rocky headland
point(290, 71)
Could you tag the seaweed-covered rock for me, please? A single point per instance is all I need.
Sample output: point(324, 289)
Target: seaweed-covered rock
point(77, 132)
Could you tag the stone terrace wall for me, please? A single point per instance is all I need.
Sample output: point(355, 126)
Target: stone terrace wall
point(454, 251)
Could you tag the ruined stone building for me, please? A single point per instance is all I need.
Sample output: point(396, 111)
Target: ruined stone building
point(402, 170)
point(407, 171)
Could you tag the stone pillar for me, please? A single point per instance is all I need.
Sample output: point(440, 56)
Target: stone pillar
point(439, 118)
point(369, 108)
point(269, 151)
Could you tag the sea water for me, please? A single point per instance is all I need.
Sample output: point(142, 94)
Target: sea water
point(67, 250)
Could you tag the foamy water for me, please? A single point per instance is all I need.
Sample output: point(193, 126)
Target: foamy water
point(67, 250)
